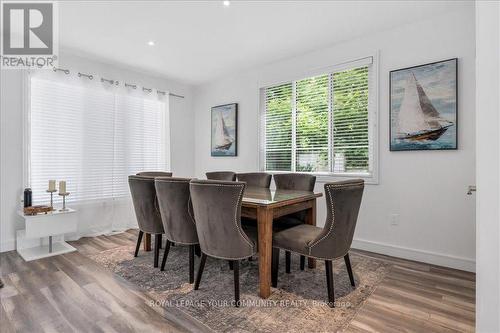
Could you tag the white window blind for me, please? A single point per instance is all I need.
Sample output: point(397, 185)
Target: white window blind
point(279, 127)
point(321, 124)
point(312, 130)
point(93, 137)
point(351, 145)
point(140, 139)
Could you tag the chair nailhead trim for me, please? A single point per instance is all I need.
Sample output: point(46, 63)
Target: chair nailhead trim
point(240, 197)
point(329, 189)
point(229, 258)
point(180, 243)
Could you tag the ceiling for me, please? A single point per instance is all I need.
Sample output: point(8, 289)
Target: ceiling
point(197, 41)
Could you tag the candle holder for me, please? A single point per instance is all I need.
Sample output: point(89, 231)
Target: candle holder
point(51, 198)
point(64, 195)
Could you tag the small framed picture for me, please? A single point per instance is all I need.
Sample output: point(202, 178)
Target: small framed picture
point(224, 130)
point(423, 107)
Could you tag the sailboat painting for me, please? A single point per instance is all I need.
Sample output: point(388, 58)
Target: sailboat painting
point(424, 107)
point(224, 130)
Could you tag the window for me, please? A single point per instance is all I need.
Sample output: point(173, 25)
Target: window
point(93, 137)
point(321, 124)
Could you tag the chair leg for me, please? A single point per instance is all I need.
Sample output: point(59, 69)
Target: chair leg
point(231, 266)
point(191, 263)
point(200, 271)
point(236, 270)
point(287, 261)
point(275, 262)
point(329, 283)
point(157, 250)
point(349, 269)
point(302, 262)
point(139, 239)
point(197, 250)
point(160, 236)
point(165, 255)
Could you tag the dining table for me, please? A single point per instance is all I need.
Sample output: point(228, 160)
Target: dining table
point(264, 205)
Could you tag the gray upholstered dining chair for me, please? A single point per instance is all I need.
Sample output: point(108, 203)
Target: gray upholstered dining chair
point(297, 182)
point(221, 175)
point(142, 189)
point(343, 200)
point(155, 174)
point(217, 212)
point(255, 179)
point(177, 216)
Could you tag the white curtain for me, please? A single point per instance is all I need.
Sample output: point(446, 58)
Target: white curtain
point(94, 135)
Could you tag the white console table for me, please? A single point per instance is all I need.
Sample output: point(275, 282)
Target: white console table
point(30, 241)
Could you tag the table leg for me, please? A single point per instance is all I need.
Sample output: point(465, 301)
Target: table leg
point(311, 219)
point(147, 242)
point(50, 244)
point(265, 231)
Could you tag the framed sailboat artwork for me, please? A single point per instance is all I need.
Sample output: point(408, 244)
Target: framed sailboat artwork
point(423, 104)
point(224, 130)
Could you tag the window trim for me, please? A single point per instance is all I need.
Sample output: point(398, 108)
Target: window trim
point(373, 120)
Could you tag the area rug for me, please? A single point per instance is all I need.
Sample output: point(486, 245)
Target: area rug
point(297, 305)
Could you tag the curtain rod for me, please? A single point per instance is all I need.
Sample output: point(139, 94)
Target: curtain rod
point(110, 81)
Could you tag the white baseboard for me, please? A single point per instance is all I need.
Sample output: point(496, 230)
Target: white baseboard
point(465, 264)
point(8, 245)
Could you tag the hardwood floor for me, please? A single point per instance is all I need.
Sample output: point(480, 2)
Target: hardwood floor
point(72, 293)
point(417, 297)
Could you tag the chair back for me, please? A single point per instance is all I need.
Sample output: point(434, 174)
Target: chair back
point(295, 181)
point(143, 193)
point(155, 174)
point(255, 179)
point(343, 200)
point(221, 175)
point(176, 210)
point(217, 212)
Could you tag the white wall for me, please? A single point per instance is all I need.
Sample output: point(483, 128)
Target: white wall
point(11, 173)
point(11, 155)
point(488, 166)
point(426, 188)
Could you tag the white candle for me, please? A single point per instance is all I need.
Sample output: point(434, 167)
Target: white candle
point(62, 186)
point(52, 185)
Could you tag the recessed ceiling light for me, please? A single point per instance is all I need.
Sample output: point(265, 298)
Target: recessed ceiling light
point(151, 43)
point(226, 3)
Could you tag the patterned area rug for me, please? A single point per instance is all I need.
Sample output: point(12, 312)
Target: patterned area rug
point(297, 305)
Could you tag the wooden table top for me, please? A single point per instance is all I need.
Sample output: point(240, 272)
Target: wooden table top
point(258, 196)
